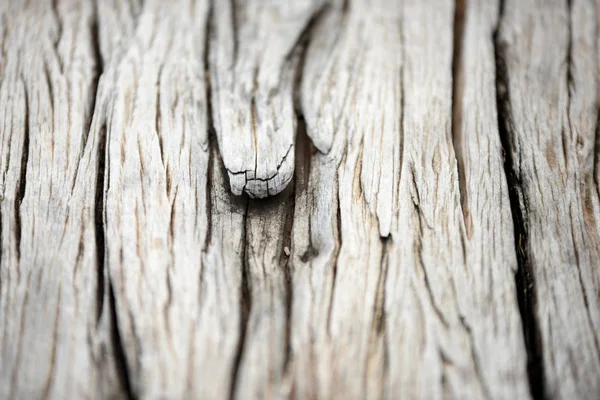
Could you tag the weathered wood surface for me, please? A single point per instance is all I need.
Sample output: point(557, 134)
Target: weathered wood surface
point(432, 226)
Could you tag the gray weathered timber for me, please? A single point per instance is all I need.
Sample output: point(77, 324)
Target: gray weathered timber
point(253, 66)
point(53, 341)
point(446, 304)
point(158, 249)
point(549, 88)
point(431, 228)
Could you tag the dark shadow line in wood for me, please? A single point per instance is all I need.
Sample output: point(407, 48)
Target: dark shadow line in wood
point(211, 135)
point(457, 109)
point(99, 233)
point(524, 278)
point(379, 323)
point(245, 305)
point(99, 219)
point(302, 150)
point(595, 165)
point(119, 352)
point(23, 176)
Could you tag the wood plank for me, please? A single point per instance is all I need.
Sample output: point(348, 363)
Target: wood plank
point(401, 252)
point(337, 251)
point(487, 293)
point(452, 324)
point(351, 99)
point(550, 88)
point(253, 68)
point(173, 232)
point(262, 364)
point(54, 341)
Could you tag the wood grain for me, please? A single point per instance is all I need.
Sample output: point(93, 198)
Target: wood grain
point(445, 303)
point(253, 66)
point(549, 89)
point(431, 228)
point(54, 341)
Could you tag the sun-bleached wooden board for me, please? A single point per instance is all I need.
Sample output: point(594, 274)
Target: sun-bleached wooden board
point(430, 229)
point(548, 73)
point(55, 333)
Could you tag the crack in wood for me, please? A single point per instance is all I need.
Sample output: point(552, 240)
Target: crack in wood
point(245, 308)
point(23, 174)
point(457, 111)
point(99, 221)
point(596, 160)
point(570, 84)
point(287, 244)
point(518, 205)
point(211, 136)
point(338, 236)
point(158, 122)
point(378, 325)
point(120, 356)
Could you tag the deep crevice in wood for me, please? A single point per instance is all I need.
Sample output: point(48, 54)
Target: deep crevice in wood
point(157, 128)
point(301, 148)
point(379, 322)
point(596, 155)
point(595, 162)
point(211, 136)
point(99, 232)
point(570, 84)
point(23, 173)
point(457, 108)
point(119, 352)
point(338, 235)
point(245, 306)
point(524, 276)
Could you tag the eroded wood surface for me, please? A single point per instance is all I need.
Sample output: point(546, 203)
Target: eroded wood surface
point(431, 228)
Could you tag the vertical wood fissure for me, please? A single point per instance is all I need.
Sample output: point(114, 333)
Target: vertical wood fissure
point(245, 306)
point(122, 369)
point(301, 149)
point(596, 154)
point(23, 172)
point(210, 126)
point(378, 327)
point(99, 233)
point(99, 220)
point(570, 83)
point(595, 165)
point(457, 107)
point(524, 279)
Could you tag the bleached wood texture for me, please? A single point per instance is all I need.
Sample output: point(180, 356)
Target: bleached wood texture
point(253, 66)
point(431, 228)
point(54, 341)
point(549, 84)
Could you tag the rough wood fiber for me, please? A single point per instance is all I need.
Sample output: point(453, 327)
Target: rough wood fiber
point(337, 250)
point(476, 343)
point(54, 342)
point(265, 267)
point(407, 257)
point(253, 65)
point(549, 89)
point(172, 247)
point(448, 305)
